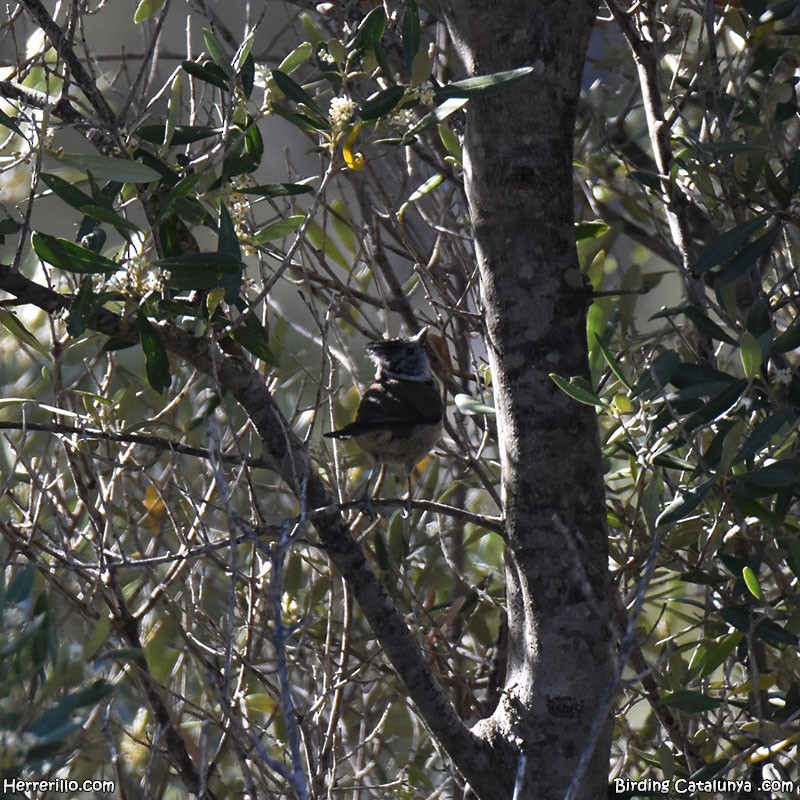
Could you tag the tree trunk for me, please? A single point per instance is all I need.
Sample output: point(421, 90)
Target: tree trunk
point(518, 160)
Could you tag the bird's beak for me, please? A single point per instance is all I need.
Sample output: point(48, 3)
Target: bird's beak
point(420, 337)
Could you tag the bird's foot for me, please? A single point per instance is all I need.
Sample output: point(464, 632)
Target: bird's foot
point(366, 505)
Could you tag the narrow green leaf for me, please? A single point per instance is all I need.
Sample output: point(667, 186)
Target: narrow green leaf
point(245, 156)
point(420, 192)
point(343, 224)
point(590, 230)
point(294, 91)
point(82, 306)
point(228, 245)
point(277, 189)
point(483, 85)
point(791, 547)
point(182, 188)
point(155, 354)
point(66, 191)
point(450, 142)
point(381, 103)
point(253, 336)
point(469, 406)
point(684, 503)
point(21, 586)
point(217, 51)
point(69, 256)
point(369, 32)
point(751, 582)
point(124, 170)
point(706, 325)
point(301, 121)
point(750, 354)
point(741, 619)
point(109, 216)
point(10, 322)
point(748, 256)
point(614, 364)
point(788, 340)
point(717, 655)
point(439, 114)
point(578, 389)
point(421, 68)
point(146, 9)
point(247, 75)
point(776, 475)
point(8, 227)
point(174, 108)
point(298, 56)
point(727, 244)
point(657, 375)
point(752, 508)
point(324, 242)
point(9, 123)
point(690, 702)
point(279, 229)
point(208, 72)
point(410, 28)
point(242, 53)
point(763, 432)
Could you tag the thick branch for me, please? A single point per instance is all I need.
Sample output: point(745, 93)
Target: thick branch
point(289, 457)
point(64, 49)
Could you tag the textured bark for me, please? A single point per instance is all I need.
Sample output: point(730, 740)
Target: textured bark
point(518, 150)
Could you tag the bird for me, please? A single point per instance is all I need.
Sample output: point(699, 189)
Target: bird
point(399, 418)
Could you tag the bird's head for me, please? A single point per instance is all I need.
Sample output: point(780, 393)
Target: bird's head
point(402, 359)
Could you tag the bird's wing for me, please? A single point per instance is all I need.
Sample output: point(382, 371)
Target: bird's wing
point(399, 403)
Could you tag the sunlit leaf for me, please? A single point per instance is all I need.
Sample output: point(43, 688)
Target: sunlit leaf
point(146, 9)
point(750, 353)
point(470, 406)
point(578, 389)
point(69, 256)
point(420, 192)
point(590, 230)
point(12, 324)
point(483, 85)
point(217, 51)
point(684, 503)
point(298, 56)
point(751, 581)
point(279, 229)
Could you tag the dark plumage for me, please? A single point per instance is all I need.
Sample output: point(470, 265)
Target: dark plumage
point(399, 418)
